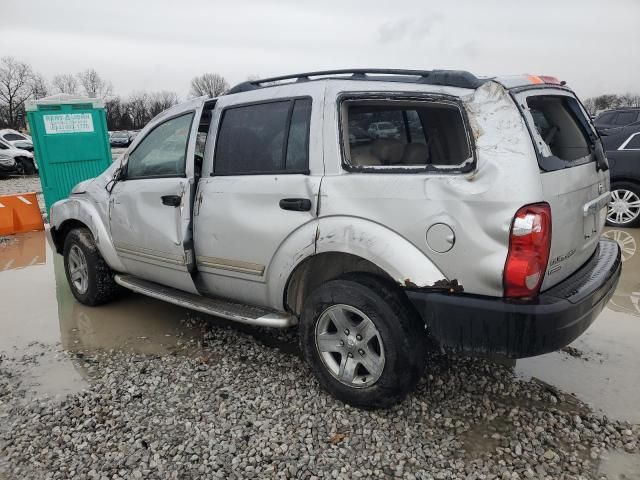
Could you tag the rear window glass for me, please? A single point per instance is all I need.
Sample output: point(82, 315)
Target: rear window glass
point(411, 134)
point(562, 130)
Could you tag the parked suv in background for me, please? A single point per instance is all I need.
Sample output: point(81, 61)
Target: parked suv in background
point(617, 118)
point(479, 223)
point(623, 151)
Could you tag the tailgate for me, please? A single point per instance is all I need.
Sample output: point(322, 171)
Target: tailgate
point(572, 184)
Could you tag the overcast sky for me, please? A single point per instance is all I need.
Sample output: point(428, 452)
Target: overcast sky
point(157, 44)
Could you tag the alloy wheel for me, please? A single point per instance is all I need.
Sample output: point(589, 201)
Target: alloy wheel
point(350, 346)
point(624, 207)
point(78, 269)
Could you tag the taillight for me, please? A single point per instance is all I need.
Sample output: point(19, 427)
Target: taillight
point(529, 243)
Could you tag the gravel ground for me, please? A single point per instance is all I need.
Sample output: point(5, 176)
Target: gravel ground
point(232, 406)
point(23, 184)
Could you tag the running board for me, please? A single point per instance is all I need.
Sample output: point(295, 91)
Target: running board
point(213, 306)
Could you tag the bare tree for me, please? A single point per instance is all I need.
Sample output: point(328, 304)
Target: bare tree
point(210, 84)
point(138, 108)
point(15, 88)
point(160, 101)
point(39, 86)
point(65, 83)
point(94, 85)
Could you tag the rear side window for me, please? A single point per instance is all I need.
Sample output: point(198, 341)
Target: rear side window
point(632, 143)
point(562, 131)
point(383, 134)
point(625, 118)
point(264, 138)
point(14, 136)
point(604, 118)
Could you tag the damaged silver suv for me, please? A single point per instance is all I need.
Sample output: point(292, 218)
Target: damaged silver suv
point(374, 208)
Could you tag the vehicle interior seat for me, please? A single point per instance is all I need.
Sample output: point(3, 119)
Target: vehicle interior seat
point(388, 151)
point(415, 154)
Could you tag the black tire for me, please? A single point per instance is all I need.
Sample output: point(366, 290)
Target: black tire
point(632, 187)
point(25, 166)
point(101, 287)
point(400, 328)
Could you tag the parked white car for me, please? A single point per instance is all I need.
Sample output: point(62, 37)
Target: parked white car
point(383, 130)
point(22, 161)
point(17, 139)
point(479, 224)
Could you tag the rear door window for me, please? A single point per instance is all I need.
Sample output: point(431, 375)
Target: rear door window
point(264, 138)
point(562, 132)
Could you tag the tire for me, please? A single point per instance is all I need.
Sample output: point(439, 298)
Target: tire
point(398, 351)
point(624, 208)
point(26, 166)
point(98, 285)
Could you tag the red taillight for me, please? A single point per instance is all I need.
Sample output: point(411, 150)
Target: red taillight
point(529, 243)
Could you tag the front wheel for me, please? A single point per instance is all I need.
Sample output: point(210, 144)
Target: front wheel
point(363, 341)
point(26, 166)
point(624, 207)
point(90, 278)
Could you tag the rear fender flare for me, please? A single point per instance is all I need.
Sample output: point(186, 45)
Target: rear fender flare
point(386, 249)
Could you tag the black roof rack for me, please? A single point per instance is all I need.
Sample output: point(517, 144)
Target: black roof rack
point(450, 78)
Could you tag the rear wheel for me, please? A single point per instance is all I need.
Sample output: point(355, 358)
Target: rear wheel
point(624, 207)
point(90, 278)
point(363, 341)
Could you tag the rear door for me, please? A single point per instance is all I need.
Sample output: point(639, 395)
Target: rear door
point(261, 192)
point(577, 191)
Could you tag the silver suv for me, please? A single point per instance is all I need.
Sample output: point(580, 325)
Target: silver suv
point(478, 223)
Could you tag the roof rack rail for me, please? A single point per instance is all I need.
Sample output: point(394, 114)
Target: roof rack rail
point(450, 78)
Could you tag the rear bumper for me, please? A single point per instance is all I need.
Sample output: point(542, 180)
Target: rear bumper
point(523, 328)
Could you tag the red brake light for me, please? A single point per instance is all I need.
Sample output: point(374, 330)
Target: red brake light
point(529, 243)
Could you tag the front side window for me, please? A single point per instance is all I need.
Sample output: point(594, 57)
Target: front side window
point(163, 151)
point(264, 138)
point(383, 133)
point(562, 128)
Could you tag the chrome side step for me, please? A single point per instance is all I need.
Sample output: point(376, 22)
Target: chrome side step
point(213, 306)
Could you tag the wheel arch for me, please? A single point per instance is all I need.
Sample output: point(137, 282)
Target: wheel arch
point(78, 213)
point(349, 244)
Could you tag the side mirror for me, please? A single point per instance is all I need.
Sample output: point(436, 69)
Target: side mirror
point(601, 157)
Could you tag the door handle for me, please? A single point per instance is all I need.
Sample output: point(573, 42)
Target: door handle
point(296, 204)
point(171, 200)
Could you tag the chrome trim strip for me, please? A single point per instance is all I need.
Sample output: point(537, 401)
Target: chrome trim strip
point(160, 257)
point(232, 265)
point(624, 144)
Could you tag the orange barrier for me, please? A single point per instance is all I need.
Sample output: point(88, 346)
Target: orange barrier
point(20, 213)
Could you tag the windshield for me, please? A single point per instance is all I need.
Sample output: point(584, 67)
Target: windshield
point(120, 135)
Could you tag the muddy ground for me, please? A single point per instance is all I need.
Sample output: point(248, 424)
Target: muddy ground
point(143, 389)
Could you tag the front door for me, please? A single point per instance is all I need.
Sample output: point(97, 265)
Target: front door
point(150, 208)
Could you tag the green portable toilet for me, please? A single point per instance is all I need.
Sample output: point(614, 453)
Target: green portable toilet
point(70, 140)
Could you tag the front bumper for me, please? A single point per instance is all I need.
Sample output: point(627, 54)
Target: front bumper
point(523, 328)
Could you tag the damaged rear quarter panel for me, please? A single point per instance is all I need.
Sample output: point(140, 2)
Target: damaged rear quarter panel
point(478, 206)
